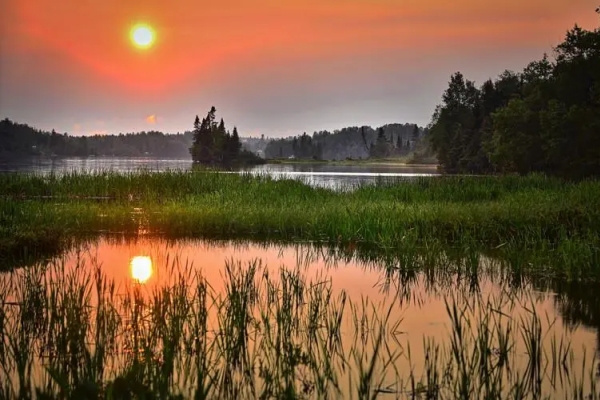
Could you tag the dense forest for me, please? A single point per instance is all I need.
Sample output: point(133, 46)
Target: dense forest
point(19, 140)
point(390, 140)
point(543, 119)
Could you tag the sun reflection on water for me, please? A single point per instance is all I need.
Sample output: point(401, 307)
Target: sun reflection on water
point(141, 268)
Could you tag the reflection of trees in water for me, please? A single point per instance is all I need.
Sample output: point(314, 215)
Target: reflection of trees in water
point(578, 303)
point(418, 274)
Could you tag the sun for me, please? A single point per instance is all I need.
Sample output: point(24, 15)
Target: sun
point(142, 36)
point(141, 268)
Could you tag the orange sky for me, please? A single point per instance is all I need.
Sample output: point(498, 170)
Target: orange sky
point(273, 67)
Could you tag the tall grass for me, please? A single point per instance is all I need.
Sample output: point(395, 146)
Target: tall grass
point(552, 220)
point(72, 333)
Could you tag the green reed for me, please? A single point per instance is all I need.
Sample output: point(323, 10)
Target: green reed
point(552, 220)
point(71, 333)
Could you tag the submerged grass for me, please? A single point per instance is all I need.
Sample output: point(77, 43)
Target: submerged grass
point(71, 333)
point(553, 221)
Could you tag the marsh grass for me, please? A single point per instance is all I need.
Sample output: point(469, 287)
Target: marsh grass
point(72, 333)
point(545, 222)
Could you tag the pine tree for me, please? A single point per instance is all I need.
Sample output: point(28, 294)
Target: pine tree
point(381, 147)
point(415, 134)
point(221, 144)
point(203, 144)
point(236, 145)
point(195, 149)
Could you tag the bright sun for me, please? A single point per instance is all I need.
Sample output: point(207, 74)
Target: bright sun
point(142, 36)
point(141, 268)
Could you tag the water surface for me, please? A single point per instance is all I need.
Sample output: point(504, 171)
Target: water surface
point(417, 302)
point(316, 174)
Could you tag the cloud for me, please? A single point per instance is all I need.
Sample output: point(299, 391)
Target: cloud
point(151, 119)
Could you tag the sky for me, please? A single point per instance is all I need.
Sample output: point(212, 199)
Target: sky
point(272, 67)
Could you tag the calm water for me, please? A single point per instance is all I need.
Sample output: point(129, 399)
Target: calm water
point(417, 301)
point(323, 175)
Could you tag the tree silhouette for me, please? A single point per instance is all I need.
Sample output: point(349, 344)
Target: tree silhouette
point(213, 145)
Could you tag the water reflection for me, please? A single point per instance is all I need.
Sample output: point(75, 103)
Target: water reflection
point(252, 278)
point(141, 268)
point(315, 174)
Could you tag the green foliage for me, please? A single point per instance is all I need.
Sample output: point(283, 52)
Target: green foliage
point(545, 119)
point(534, 214)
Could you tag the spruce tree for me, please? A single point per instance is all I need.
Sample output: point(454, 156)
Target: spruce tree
point(236, 145)
point(416, 132)
point(220, 143)
point(203, 144)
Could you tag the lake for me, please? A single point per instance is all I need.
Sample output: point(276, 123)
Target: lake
point(315, 174)
point(144, 300)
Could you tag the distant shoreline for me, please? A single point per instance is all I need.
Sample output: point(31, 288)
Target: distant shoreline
point(373, 162)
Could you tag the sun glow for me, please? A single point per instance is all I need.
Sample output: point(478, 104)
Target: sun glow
point(141, 268)
point(142, 36)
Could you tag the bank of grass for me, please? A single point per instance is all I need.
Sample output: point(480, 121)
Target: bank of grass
point(71, 333)
point(554, 220)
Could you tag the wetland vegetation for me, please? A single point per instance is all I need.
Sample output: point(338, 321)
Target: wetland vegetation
point(547, 222)
point(283, 333)
point(73, 329)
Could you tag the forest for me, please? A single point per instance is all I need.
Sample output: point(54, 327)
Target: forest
point(544, 119)
point(20, 140)
point(391, 140)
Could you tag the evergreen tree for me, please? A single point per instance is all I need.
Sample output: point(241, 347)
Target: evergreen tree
point(381, 147)
point(236, 145)
point(221, 144)
point(204, 139)
point(415, 133)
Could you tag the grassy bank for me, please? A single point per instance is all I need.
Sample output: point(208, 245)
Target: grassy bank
point(546, 217)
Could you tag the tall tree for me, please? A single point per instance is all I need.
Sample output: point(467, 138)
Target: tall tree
point(382, 146)
point(235, 144)
point(203, 143)
point(415, 133)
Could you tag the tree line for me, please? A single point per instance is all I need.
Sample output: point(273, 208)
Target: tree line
point(543, 119)
point(21, 140)
point(392, 140)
